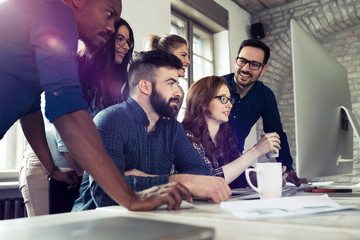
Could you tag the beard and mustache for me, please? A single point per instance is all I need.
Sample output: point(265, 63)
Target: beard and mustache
point(163, 107)
point(239, 74)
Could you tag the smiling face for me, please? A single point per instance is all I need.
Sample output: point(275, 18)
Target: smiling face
point(183, 54)
point(166, 94)
point(95, 20)
point(219, 111)
point(245, 76)
point(121, 47)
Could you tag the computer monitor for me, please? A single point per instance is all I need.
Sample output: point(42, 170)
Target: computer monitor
point(324, 121)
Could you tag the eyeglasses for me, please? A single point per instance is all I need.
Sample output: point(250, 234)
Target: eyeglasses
point(225, 99)
point(121, 40)
point(254, 65)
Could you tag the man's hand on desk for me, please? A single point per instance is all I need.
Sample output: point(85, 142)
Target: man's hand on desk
point(215, 189)
point(293, 178)
point(154, 197)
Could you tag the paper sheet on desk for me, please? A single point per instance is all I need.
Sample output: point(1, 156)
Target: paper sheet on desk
point(282, 207)
point(354, 187)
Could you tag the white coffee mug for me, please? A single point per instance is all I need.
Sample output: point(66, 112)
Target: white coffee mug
point(269, 179)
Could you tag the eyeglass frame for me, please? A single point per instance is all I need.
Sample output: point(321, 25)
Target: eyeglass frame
point(250, 62)
point(122, 43)
point(232, 101)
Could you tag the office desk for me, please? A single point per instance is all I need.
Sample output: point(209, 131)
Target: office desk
point(341, 225)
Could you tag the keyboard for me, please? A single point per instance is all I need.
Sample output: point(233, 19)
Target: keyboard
point(249, 193)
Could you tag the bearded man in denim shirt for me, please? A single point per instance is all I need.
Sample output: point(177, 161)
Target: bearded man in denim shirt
point(145, 140)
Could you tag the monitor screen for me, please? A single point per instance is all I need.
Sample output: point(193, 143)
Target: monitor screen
point(323, 133)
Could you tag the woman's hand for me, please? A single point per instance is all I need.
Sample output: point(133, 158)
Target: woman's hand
point(268, 142)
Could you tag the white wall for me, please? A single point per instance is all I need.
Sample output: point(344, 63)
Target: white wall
point(147, 17)
point(239, 23)
point(221, 53)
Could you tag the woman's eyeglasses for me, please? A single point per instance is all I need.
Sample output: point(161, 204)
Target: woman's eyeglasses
point(225, 99)
point(121, 40)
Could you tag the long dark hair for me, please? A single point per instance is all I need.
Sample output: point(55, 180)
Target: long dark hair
point(104, 82)
point(197, 108)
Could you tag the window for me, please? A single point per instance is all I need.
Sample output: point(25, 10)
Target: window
point(11, 148)
point(200, 52)
point(200, 46)
point(202, 56)
point(178, 26)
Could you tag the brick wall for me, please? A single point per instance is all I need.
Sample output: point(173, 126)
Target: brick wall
point(336, 25)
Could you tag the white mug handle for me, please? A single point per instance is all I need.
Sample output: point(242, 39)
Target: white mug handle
point(247, 172)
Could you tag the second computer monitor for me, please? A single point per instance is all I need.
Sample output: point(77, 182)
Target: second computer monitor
point(323, 134)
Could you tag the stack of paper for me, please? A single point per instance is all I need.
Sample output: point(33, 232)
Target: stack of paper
point(282, 207)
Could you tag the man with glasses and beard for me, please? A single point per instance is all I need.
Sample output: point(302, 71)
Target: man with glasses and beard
point(145, 140)
point(254, 100)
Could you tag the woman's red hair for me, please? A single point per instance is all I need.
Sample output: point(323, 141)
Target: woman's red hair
point(197, 108)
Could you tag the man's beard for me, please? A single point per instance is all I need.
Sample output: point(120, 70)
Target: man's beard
point(251, 81)
point(161, 106)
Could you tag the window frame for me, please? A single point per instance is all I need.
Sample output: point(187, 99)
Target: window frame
point(190, 24)
point(211, 37)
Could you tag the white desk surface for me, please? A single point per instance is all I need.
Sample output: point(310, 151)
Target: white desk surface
point(340, 225)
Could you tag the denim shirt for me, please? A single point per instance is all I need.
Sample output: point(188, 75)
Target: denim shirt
point(259, 102)
point(123, 129)
point(38, 43)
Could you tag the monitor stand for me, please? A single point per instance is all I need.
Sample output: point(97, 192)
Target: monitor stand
point(355, 126)
point(353, 120)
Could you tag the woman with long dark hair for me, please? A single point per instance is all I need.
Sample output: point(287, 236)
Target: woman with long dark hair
point(104, 76)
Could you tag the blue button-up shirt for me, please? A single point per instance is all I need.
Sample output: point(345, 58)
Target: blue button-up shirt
point(259, 102)
point(38, 42)
point(123, 129)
